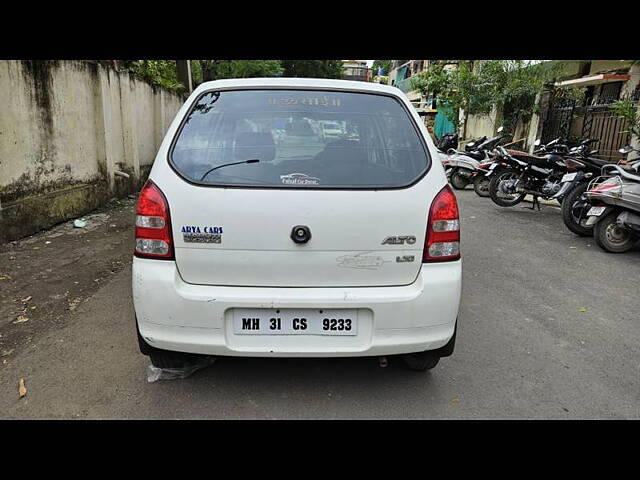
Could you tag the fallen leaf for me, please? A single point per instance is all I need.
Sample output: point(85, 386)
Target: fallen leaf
point(21, 319)
point(5, 277)
point(25, 300)
point(22, 390)
point(582, 309)
point(74, 303)
point(455, 400)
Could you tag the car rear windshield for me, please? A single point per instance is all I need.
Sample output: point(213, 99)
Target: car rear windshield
point(300, 138)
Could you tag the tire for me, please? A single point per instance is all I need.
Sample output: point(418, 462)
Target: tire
point(612, 238)
point(494, 192)
point(421, 361)
point(573, 209)
point(481, 185)
point(458, 181)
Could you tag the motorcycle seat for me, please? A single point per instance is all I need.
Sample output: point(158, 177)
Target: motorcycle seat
point(475, 155)
point(526, 156)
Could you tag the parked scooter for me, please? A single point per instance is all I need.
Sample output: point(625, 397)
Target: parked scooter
point(447, 142)
point(461, 167)
point(615, 210)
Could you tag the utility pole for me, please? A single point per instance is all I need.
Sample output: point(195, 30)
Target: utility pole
point(184, 74)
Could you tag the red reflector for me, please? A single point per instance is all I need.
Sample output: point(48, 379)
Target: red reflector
point(153, 224)
point(442, 242)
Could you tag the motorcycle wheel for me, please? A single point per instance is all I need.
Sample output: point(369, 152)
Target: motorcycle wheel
point(458, 181)
point(481, 186)
point(612, 238)
point(574, 209)
point(504, 199)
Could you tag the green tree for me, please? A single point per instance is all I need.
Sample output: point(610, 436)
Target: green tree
point(479, 87)
point(385, 64)
point(217, 69)
point(629, 111)
point(162, 73)
point(313, 68)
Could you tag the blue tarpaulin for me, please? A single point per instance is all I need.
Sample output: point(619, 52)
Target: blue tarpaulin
point(442, 125)
point(400, 75)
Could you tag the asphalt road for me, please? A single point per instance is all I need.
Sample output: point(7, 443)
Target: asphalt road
point(549, 328)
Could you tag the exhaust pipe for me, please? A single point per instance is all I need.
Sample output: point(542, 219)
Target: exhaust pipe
point(629, 220)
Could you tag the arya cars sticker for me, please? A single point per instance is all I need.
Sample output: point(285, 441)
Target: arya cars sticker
point(299, 179)
point(205, 234)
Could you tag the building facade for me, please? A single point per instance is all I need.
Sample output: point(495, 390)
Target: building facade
point(356, 70)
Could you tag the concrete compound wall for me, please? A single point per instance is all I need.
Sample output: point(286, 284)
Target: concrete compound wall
point(66, 127)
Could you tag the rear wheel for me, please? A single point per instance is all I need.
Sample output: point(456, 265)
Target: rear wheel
point(457, 180)
point(574, 211)
point(612, 238)
point(421, 361)
point(501, 198)
point(481, 185)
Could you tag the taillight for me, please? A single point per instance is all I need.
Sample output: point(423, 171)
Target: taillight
point(153, 224)
point(443, 230)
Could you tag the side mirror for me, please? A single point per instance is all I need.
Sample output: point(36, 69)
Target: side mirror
point(500, 129)
point(625, 150)
point(537, 142)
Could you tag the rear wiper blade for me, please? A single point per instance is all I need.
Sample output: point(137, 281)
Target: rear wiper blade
point(253, 160)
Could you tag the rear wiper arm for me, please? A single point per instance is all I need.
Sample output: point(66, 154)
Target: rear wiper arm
point(253, 160)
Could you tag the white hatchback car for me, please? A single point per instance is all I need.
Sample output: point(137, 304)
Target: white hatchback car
point(248, 243)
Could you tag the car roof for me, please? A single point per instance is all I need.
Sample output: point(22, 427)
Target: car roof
point(312, 83)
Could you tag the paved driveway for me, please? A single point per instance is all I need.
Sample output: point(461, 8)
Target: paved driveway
point(549, 328)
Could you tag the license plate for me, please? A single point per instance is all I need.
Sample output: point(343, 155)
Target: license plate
point(284, 321)
point(595, 211)
point(568, 177)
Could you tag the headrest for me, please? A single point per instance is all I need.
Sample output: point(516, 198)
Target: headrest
point(258, 145)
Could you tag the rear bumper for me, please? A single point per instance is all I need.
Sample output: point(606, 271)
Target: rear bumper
point(174, 315)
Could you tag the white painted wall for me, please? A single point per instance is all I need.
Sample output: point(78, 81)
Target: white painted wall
point(68, 122)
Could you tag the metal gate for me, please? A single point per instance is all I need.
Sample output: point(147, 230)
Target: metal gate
point(598, 122)
point(610, 130)
point(558, 120)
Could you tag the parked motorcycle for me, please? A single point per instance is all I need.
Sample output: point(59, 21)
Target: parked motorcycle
point(495, 166)
point(462, 168)
point(582, 168)
point(524, 173)
point(615, 206)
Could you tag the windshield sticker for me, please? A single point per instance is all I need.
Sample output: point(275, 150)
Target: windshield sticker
point(323, 101)
point(299, 179)
point(197, 234)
